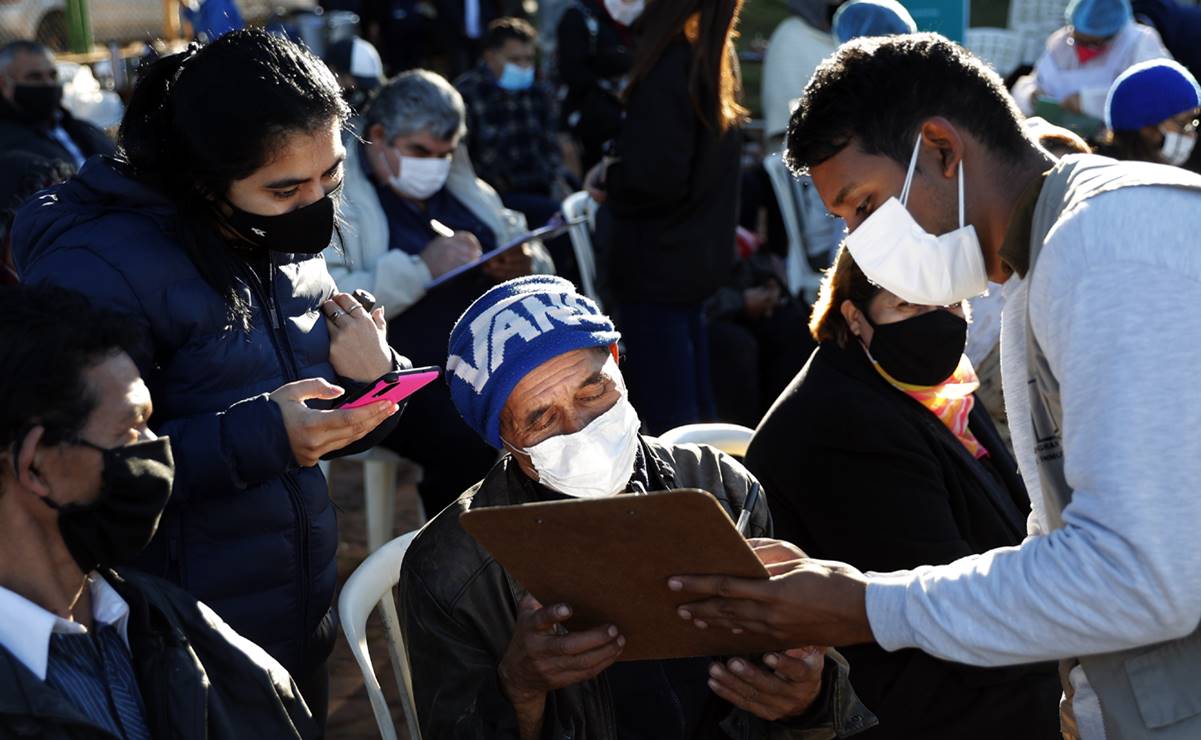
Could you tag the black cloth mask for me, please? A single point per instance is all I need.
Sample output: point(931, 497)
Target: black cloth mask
point(135, 486)
point(306, 230)
point(38, 103)
point(924, 350)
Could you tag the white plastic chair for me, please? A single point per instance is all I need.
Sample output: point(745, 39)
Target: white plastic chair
point(801, 224)
point(581, 206)
point(1001, 48)
point(372, 585)
point(731, 439)
point(380, 468)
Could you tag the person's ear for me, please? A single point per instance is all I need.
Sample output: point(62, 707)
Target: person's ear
point(376, 134)
point(853, 316)
point(941, 134)
point(28, 474)
point(1152, 135)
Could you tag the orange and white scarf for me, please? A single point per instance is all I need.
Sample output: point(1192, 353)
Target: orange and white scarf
point(951, 401)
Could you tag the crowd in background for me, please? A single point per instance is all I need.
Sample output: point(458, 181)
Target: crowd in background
point(252, 187)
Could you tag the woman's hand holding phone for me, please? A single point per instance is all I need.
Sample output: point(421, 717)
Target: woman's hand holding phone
point(358, 339)
point(314, 433)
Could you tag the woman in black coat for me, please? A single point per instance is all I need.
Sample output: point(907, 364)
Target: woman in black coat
point(877, 455)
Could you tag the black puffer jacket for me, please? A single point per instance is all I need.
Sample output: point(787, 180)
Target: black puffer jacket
point(459, 606)
point(198, 678)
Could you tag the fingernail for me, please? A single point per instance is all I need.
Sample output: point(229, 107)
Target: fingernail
point(736, 630)
point(701, 625)
point(562, 610)
point(612, 631)
point(684, 613)
point(715, 670)
point(737, 666)
point(675, 584)
point(771, 659)
point(713, 684)
point(621, 641)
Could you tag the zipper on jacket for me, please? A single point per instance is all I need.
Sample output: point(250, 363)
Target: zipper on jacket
point(302, 515)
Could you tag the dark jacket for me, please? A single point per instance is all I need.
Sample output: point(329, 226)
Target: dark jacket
point(592, 54)
point(459, 605)
point(247, 531)
point(17, 134)
point(198, 678)
point(862, 473)
point(674, 192)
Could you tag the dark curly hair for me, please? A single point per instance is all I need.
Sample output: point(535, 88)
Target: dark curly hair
point(879, 90)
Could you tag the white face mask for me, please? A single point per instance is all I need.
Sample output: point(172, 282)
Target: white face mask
point(623, 12)
point(595, 462)
point(896, 253)
point(1177, 147)
point(421, 177)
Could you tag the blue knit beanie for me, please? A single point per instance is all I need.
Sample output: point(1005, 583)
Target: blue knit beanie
point(507, 332)
point(1099, 18)
point(872, 18)
point(1150, 93)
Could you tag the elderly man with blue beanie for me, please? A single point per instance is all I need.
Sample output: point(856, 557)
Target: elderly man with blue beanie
point(533, 370)
point(1100, 41)
point(1152, 113)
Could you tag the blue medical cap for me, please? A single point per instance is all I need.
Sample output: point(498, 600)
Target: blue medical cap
point(1098, 17)
point(872, 18)
point(1150, 93)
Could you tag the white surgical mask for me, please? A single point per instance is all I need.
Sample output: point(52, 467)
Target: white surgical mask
point(625, 13)
point(595, 462)
point(896, 253)
point(1177, 147)
point(421, 177)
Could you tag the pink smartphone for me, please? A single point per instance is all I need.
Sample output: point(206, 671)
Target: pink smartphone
point(394, 386)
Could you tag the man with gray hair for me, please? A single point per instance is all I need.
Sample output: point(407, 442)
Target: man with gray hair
point(32, 118)
point(414, 210)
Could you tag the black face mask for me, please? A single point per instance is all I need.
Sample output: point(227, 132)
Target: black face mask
point(38, 103)
point(923, 350)
point(306, 230)
point(135, 486)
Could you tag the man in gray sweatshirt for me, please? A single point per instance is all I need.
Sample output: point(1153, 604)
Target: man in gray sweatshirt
point(919, 147)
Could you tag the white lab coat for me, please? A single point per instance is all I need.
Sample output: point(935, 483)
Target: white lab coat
point(1059, 73)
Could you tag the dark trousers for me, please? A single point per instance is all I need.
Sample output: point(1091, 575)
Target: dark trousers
point(667, 364)
point(314, 687)
point(752, 362)
point(431, 433)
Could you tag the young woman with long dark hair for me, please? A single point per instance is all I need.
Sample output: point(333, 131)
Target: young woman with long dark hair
point(671, 186)
point(207, 229)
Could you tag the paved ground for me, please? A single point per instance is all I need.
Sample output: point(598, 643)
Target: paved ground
point(350, 712)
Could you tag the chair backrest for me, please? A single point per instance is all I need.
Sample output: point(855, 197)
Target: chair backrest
point(575, 207)
point(812, 236)
point(731, 439)
point(373, 585)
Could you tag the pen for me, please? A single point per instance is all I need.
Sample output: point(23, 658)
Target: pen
point(752, 498)
point(441, 229)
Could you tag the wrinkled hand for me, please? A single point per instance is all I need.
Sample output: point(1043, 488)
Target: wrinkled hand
point(594, 181)
point(515, 263)
point(541, 658)
point(313, 433)
point(358, 340)
point(804, 602)
point(760, 302)
point(448, 252)
point(785, 686)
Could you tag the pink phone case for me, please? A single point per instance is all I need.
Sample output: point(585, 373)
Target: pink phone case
point(397, 391)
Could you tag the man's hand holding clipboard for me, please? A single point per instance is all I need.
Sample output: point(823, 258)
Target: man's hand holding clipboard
point(557, 226)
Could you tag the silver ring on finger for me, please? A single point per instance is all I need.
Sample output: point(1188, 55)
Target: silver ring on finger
point(355, 307)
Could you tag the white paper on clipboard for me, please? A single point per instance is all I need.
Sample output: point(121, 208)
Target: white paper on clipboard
point(553, 228)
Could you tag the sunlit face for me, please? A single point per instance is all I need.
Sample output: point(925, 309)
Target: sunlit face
point(561, 396)
point(71, 473)
point(306, 168)
point(27, 69)
point(886, 308)
point(384, 154)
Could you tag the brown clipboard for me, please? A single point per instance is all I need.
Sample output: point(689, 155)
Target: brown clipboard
point(610, 560)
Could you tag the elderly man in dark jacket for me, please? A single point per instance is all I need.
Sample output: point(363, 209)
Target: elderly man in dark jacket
point(85, 651)
point(532, 369)
point(32, 118)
